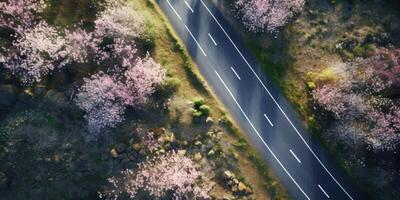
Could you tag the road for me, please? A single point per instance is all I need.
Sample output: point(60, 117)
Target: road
point(259, 107)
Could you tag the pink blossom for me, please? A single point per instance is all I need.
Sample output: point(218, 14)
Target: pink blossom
point(143, 78)
point(169, 172)
point(102, 97)
point(361, 98)
point(120, 20)
point(267, 15)
point(36, 53)
point(20, 14)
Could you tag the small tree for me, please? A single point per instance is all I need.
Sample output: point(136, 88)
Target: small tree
point(120, 20)
point(142, 79)
point(103, 99)
point(35, 53)
point(20, 14)
point(166, 173)
point(362, 100)
point(266, 15)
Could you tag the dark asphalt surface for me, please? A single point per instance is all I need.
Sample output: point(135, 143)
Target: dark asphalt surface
point(273, 126)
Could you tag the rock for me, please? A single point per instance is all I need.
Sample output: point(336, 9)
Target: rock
point(235, 189)
point(242, 187)
point(170, 138)
point(142, 152)
point(132, 158)
point(136, 146)
point(55, 97)
point(211, 153)
point(161, 151)
point(198, 143)
point(8, 95)
point(120, 147)
point(197, 157)
point(209, 120)
point(114, 153)
point(203, 148)
point(3, 180)
point(228, 175)
point(181, 152)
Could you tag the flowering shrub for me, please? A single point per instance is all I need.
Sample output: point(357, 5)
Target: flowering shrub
point(267, 15)
point(142, 79)
point(103, 99)
point(35, 53)
point(166, 173)
point(20, 14)
point(361, 99)
point(120, 20)
point(120, 54)
point(82, 46)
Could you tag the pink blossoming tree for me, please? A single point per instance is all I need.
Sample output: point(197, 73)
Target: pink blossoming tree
point(104, 98)
point(364, 101)
point(120, 20)
point(36, 52)
point(267, 15)
point(166, 173)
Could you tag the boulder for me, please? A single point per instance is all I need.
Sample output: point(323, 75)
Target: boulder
point(8, 96)
point(181, 152)
point(228, 175)
point(197, 157)
point(136, 146)
point(114, 153)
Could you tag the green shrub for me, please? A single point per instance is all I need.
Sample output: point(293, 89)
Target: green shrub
point(199, 108)
point(198, 102)
point(205, 110)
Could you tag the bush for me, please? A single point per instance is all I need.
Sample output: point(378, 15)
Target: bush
point(205, 110)
point(198, 102)
point(199, 108)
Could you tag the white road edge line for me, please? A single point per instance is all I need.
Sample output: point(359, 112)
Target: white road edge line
point(258, 134)
point(266, 117)
point(212, 39)
point(294, 155)
point(322, 189)
point(269, 93)
point(191, 34)
point(237, 75)
point(188, 5)
point(176, 13)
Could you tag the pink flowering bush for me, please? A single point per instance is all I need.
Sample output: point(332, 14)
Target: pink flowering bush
point(165, 173)
point(143, 79)
point(120, 54)
point(267, 15)
point(361, 100)
point(120, 20)
point(81, 45)
point(105, 98)
point(20, 14)
point(35, 53)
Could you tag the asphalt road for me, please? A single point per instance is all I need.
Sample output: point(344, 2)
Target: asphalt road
point(273, 126)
